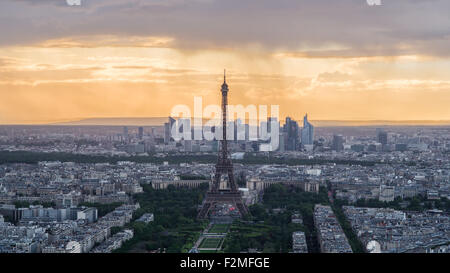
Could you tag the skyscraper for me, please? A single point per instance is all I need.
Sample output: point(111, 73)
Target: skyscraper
point(125, 134)
point(291, 130)
point(269, 123)
point(167, 130)
point(307, 132)
point(141, 132)
point(382, 136)
point(338, 143)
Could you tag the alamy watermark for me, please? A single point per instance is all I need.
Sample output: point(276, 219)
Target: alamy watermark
point(373, 2)
point(73, 2)
point(260, 126)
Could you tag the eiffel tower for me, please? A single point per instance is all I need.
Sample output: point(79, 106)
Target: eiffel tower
point(223, 167)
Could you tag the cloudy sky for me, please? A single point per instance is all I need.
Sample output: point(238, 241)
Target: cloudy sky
point(335, 60)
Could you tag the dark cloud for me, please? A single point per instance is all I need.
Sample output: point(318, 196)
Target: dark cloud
point(395, 28)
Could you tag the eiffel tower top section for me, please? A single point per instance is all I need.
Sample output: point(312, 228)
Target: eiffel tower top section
point(224, 85)
point(224, 158)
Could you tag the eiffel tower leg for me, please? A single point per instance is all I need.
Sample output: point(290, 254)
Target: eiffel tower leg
point(203, 213)
point(231, 180)
point(243, 210)
point(216, 184)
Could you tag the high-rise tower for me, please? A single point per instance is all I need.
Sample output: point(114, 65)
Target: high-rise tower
point(307, 132)
point(224, 167)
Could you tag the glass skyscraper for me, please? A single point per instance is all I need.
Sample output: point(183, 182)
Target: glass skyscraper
point(307, 132)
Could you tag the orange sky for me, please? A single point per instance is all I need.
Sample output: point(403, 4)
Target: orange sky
point(88, 75)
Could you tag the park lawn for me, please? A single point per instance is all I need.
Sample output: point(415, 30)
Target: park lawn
point(210, 243)
point(219, 228)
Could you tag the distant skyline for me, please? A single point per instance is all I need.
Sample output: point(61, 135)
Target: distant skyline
point(335, 60)
point(159, 121)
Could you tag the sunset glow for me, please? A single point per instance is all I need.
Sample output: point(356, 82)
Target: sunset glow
point(76, 72)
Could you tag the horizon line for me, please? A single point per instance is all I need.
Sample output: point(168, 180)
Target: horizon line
point(67, 122)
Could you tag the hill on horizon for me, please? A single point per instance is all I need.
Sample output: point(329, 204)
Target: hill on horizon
point(159, 121)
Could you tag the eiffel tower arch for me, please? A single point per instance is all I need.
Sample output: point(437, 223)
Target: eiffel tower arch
point(224, 167)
